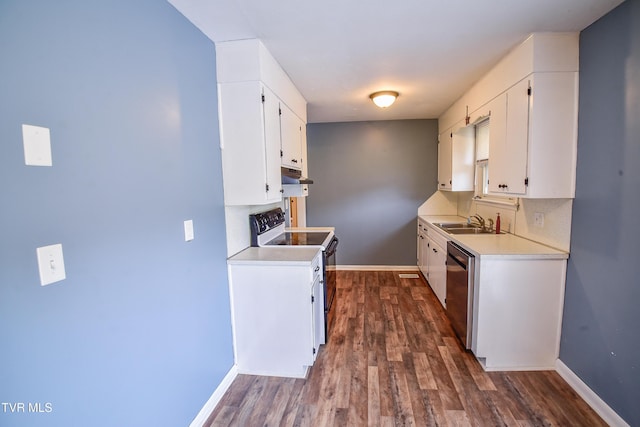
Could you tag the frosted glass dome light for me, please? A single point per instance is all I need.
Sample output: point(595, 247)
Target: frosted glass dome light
point(384, 99)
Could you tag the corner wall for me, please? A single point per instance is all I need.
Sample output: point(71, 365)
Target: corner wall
point(600, 339)
point(139, 332)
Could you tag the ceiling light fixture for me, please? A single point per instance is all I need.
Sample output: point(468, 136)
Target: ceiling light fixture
point(384, 98)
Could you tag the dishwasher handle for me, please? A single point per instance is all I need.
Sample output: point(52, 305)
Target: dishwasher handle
point(457, 261)
point(459, 255)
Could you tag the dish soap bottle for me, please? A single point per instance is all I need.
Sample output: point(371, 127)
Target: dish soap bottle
point(498, 224)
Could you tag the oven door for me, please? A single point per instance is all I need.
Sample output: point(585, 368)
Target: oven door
point(329, 276)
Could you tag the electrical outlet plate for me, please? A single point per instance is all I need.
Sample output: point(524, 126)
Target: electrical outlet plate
point(51, 264)
point(37, 145)
point(538, 219)
point(188, 230)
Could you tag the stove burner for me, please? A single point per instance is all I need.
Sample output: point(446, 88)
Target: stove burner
point(299, 238)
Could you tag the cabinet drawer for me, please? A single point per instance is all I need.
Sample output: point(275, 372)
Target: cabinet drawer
point(437, 238)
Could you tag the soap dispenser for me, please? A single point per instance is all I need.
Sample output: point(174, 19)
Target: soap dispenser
point(498, 223)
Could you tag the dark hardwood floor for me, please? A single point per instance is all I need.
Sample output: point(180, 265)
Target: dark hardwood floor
point(392, 360)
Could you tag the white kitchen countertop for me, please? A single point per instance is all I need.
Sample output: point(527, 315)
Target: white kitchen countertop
point(503, 246)
point(290, 255)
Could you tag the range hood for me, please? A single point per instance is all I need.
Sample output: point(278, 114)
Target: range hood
point(294, 176)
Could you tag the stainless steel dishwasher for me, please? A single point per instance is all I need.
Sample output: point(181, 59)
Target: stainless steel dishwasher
point(460, 273)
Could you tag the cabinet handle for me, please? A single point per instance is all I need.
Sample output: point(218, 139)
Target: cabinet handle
point(317, 269)
point(294, 160)
point(435, 250)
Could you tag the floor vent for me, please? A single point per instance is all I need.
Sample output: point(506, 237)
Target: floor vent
point(408, 276)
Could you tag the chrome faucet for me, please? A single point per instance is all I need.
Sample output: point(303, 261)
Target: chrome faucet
point(480, 220)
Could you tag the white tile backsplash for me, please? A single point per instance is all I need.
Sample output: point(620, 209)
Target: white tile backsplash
point(556, 231)
point(557, 213)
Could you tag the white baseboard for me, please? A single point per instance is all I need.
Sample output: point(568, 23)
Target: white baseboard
point(377, 267)
point(208, 407)
point(589, 396)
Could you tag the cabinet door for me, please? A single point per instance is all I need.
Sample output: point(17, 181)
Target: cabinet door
point(250, 144)
point(419, 247)
point(426, 247)
point(423, 252)
point(271, 114)
point(553, 119)
point(436, 260)
point(508, 160)
point(291, 138)
point(444, 160)
point(463, 159)
point(273, 318)
point(318, 315)
point(497, 143)
point(430, 259)
point(438, 272)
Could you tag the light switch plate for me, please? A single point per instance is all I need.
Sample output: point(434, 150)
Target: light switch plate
point(51, 264)
point(188, 230)
point(37, 145)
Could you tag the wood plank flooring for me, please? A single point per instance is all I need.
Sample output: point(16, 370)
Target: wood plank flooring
point(393, 360)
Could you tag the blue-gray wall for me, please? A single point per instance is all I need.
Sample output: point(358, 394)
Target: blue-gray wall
point(369, 180)
point(139, 333)
point(600, 336)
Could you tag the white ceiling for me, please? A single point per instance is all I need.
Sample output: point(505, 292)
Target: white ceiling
point(337, 52)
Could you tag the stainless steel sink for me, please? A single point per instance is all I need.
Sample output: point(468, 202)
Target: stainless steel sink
point(469, 230)
point(462, 228)
point(447, 225)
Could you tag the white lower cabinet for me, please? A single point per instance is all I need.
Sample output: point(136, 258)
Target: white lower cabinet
point(518, 312)
point(423, 248)
point(277, 312)
point(437, 265)
point(432, 259)
point(518, 297)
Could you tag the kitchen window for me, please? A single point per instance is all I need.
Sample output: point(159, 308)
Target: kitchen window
point(482, 159)
point(482, 179)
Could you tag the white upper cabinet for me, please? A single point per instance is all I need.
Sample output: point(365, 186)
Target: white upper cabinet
point(532, 97)
point(444, 160)
point(536, 158)
point(456, 159)
point(291, 137)
point(508, 141)
point(250, 142)
point(253, 90)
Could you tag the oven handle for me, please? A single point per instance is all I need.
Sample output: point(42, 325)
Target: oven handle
point(331, 249)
